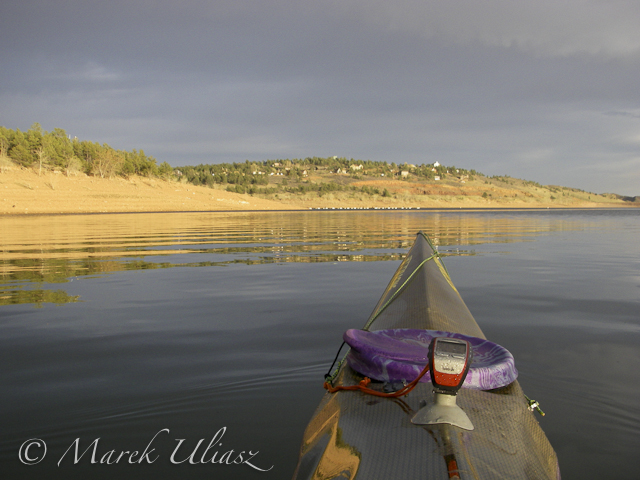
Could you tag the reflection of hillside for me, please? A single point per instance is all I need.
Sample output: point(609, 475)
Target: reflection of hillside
point(58, 271)
point(81, 245)
point(14, 295)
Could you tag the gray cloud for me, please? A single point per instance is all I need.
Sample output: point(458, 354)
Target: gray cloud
point(541, 90)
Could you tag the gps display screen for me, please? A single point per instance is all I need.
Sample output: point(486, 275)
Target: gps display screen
point(452, 348)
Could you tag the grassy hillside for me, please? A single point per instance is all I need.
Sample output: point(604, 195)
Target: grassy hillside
point(275, 185)
point(313, 182)
point(335, 182)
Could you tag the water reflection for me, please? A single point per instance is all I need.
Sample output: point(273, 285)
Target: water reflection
point(247, 346)
point(41, 250)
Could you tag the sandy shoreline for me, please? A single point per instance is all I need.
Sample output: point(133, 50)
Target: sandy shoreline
point(24, 191)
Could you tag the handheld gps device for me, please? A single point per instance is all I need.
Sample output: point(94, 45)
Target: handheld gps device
point(450, 359)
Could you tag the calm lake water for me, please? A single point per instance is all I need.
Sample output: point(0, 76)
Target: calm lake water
point(123, 331)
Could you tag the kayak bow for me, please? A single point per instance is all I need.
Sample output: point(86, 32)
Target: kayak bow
point(354, 434)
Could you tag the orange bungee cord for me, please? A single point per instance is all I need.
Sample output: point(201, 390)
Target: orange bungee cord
point(363, 387)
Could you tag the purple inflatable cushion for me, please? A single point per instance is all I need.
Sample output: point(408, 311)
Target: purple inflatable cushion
point(401, 354)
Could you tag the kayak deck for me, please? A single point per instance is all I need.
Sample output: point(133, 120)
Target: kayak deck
point(352, 434)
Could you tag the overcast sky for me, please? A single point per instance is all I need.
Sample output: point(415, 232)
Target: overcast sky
point(546, 90)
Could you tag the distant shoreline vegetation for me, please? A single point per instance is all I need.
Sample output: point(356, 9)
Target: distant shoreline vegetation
point(56, 150)
point(349, 179)
point(335, 178)
point(312, 175)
